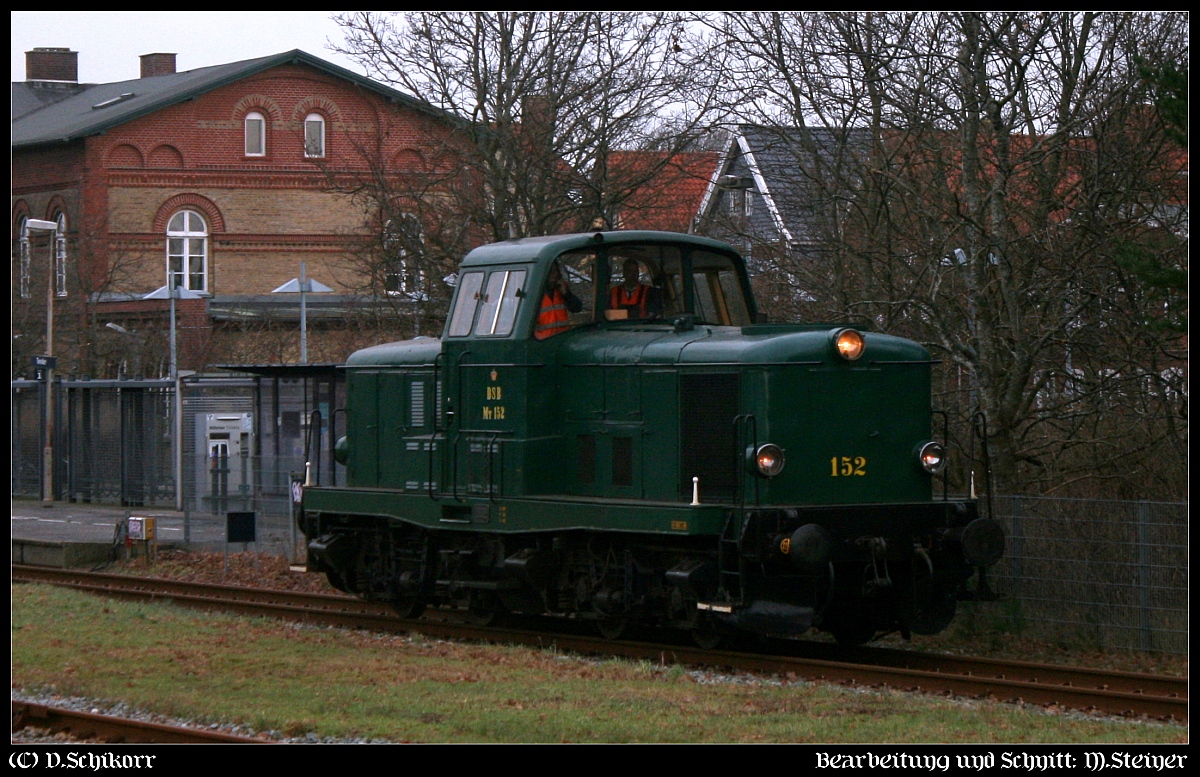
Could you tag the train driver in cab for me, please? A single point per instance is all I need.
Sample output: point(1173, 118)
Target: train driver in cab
point(558, 303)
point(631, 298)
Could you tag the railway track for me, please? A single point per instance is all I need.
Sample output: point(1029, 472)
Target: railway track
point(1099, 691)
point(83, 726)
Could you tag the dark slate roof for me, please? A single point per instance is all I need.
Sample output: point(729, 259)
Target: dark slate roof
point(44, 114)
point(797, 177)
point(30, 96)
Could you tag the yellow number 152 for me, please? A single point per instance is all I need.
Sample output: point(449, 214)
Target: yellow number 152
point(845, 466)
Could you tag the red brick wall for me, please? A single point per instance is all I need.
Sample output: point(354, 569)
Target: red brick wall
point(269, 213)
point(266, 214)
point(274, 209)
point(54, 167)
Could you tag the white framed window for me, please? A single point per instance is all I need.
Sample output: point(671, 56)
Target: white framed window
point(23, 262)
point(314, 136)
point(187, 251)
point(256, 134)
point(60, 256)
point(403, 249)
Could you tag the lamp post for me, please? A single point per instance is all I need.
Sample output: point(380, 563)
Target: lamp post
point(304, 286)
point(173, 293)
point(48, 451)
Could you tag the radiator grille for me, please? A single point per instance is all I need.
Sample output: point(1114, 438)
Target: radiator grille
point(417, 406)
point(587, 458)
point(622, 461)
point(708, 405)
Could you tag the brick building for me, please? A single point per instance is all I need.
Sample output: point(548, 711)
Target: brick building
point(221, 180)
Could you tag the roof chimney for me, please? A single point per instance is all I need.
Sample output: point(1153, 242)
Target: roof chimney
point(49, 64)
point(157, 65)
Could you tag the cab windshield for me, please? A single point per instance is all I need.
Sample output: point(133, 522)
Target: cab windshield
point(487, 309)
point(656, 283)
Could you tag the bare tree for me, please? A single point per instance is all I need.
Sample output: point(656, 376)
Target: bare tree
point(413, 197)
point(542, 100)
point(995, 176)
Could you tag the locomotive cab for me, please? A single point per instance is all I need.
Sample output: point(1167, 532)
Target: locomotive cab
point(535, 381)
point(602, 432)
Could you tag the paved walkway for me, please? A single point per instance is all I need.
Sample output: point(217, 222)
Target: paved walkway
point(69, 522)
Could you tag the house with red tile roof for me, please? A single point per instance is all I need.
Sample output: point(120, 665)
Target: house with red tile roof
point(670, 198)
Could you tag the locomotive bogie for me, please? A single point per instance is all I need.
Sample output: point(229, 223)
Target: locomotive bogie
point(668, 462)
point(870, 568)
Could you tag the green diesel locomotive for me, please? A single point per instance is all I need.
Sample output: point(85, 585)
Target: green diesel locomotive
point(604, 432)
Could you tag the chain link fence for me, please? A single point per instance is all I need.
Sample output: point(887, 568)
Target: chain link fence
point(261, 485)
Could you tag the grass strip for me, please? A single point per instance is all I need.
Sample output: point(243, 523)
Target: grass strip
point(297, 680)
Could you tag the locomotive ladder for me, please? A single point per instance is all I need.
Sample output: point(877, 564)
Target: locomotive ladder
point(731, 565)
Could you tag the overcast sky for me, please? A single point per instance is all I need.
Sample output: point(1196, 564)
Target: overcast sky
point(110, 42)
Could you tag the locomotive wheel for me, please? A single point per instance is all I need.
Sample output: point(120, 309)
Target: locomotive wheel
point(612, 628)
point(408, 607)
point(484, 609)
point(707, 636)
point(931, 605)
point(340, 581)
point(852, 631)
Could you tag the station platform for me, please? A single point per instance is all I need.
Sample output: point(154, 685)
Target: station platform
point(73, 535)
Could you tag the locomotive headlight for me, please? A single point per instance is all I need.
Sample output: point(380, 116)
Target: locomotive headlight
point(849, 344)
point(768, 460)
point(933, 457)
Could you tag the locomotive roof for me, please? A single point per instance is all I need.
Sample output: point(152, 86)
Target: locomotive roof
point(547, 247)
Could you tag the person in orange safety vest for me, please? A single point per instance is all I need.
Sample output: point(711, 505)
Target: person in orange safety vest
point(633, 296)
point(557, 304)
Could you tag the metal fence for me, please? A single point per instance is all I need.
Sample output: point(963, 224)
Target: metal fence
point(1094, 573)
point(112, 441)
point(221, 485)
point(1103, 574)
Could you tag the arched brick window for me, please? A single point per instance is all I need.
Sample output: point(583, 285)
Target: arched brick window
point(187, 251)
point(23, 261)
point(314, 136)
point(256, 134)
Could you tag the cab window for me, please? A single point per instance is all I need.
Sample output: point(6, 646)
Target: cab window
point(717, 296)
point(487, 303)
point(501, 298)
point(579, 271)
point(465, 304)
point(644, 283)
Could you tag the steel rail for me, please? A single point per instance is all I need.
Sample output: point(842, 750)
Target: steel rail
point(110, 728)
point(1108, 692)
